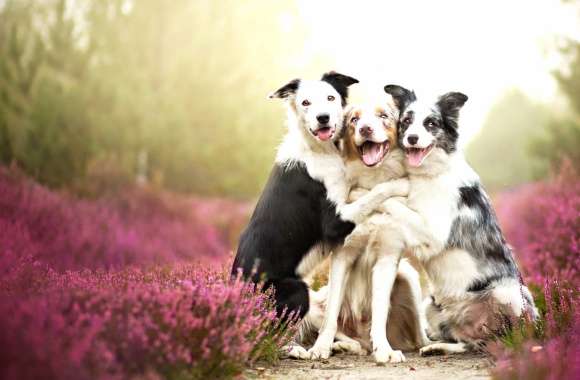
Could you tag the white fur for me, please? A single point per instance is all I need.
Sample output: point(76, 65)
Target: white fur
point(443, 348)
point(426, 219)
point(315, 318)
point(368, 248)
point(450, 282)
point(321, 158)
point(323, 163)
point(509, 293)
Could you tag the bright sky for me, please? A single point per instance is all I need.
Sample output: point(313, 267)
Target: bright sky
point(481, 48)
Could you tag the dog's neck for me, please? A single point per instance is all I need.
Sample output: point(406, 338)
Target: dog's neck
point(322, 160)
point(437, 164)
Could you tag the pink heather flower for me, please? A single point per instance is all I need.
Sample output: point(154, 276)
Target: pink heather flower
point(107, 289)
point(542, 222)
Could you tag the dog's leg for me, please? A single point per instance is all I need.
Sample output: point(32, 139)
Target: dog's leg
point(443, 349)
point(383, 278)
point(313, 322)
point(308, 326)
point(360, 209)
point(409, 273)
point(340, 262)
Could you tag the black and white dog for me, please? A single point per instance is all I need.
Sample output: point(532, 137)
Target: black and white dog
point(302, 212)
point(449, 224)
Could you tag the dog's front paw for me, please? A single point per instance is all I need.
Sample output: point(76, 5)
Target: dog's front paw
point(383, 356)
point(432, 350)
point(319, 352)
point(295, 351)
point(353, 348)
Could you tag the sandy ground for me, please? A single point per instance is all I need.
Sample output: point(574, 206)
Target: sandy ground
point(344, 367)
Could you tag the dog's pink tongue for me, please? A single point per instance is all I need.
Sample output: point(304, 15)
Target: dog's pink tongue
point(371, 153)
point(415, 157)
point(324, 133)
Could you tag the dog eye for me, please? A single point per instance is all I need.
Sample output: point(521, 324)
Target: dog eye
point(407, 121)
point(384, 116)
point(431, 124)
point(305, 103)
point(354, 119)
point(331, 98)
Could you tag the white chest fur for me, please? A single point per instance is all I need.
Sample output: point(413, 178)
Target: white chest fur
point(323, 163)
point(435, 195)
point(436, 201)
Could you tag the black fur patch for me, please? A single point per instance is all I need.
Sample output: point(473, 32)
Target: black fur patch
point(449, 105)
point(292, 215)
point(476, 230)
point(483, 284)
point(288, 89)
point(401, 95)
point(340, 82)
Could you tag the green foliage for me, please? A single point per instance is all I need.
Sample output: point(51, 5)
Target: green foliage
point(521, 141)
point(500, 153)
point(569, 78)
point(558, 142)
point(525, 330)
point(116, 88)
point(562, 136)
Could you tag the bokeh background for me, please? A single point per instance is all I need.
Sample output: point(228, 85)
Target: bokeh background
point(135, 137)
point(98, 95)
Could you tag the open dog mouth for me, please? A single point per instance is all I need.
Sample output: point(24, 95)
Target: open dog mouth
point(324, 133)
point(416, 156)
point(373, 152)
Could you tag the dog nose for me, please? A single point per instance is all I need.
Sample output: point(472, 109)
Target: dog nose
point(366, 131)
point(412, 139)
point(323, 118)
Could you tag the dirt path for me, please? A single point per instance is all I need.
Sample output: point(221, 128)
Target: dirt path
point(346, 367)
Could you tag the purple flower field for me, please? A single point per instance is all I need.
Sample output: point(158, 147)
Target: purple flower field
point(542, 222)
point(124, 288)
point(137, 286)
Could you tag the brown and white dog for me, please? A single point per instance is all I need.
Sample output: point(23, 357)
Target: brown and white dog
point(376, 284)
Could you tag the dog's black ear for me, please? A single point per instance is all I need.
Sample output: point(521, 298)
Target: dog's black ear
point(449, 104)
point(286, 90)
point(340, 82)
point(401, 95)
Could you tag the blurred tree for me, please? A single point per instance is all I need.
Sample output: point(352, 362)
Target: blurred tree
point(499, 153)
point(562, 137)
point(521, 141)
point(42, 123)
point(178, 92)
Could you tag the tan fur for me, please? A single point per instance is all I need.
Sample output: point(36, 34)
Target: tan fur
point(402, 329)
point(349, 148)
point(367, 244)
